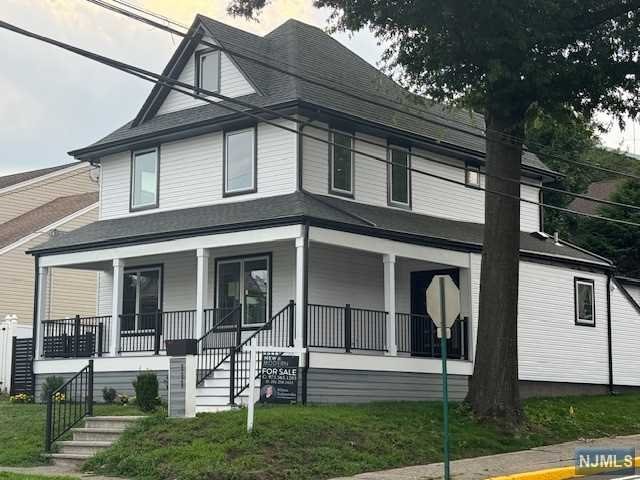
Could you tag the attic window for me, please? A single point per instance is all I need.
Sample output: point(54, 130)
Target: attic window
point(208, 70)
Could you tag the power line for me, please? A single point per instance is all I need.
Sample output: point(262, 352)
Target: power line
point(178, 86)
point(367, 98)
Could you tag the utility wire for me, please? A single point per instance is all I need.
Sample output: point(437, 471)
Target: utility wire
point(367, 98)
point(179, 86)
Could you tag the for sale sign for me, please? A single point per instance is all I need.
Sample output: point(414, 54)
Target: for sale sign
point(279, 379)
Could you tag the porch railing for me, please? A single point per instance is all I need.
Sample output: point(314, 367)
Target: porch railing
point(76, 337)
point(346, 328)
point(69, 404)
point(416, 334)
point(148, 332)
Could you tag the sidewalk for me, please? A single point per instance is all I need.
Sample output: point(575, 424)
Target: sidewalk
point(479, 468)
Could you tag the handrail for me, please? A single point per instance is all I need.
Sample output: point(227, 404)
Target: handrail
point(205, 360)
point(68, 404)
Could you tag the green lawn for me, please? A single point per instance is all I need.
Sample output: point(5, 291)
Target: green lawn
point(22, 431)
point(20, 476)
point(318, 442)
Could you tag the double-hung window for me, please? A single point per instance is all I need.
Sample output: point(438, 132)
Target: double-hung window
point(240, 161)
point(399, 174)
point(144, 179)
point(208, 70)
point(341, 164)
point(584, 302)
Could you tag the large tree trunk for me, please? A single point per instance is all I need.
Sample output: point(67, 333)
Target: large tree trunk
point(493, 390)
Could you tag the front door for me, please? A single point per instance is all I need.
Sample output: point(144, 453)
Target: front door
point(424, 340)
point(244, 282)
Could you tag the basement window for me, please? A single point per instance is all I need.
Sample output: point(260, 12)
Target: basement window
point(585, 313)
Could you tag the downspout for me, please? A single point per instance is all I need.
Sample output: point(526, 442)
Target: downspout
point(299, 159)
point(609, 333)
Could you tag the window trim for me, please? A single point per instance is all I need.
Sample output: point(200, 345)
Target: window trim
point(243, 258)
point(472, 168)
point(332, 189)
point(144, 268)
point(254, 187)
point(390, 201)
point(198, 67)
point(156, 203)
point(584, 281)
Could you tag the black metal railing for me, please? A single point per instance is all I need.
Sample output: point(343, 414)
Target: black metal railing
point(69, 404)
point(215, 346)
point(148, 332)
point(279, 331)
point(416, 334)
point(346, 328)
point(76, 337)
point(213, 317)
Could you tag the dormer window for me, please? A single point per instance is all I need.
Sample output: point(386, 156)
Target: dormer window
point(208, 70)
point(144, 179)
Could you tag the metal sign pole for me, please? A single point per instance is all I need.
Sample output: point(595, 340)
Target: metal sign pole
point(445, 386)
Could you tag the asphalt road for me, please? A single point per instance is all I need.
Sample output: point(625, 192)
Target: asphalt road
point(611, 477)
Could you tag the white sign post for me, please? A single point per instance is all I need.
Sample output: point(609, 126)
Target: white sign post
point(443, 306)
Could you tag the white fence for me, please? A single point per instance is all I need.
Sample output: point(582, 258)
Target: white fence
point(9, 328)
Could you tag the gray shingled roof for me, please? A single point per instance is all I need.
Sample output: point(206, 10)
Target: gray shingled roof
point(33, 220)
point(14, 179)
point(294, 208)
point(314, 54)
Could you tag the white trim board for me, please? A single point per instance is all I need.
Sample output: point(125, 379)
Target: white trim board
point(385, 363)
point(102, 364)
point(389, 247)
point(48, 228)
point(171, 246)
point(31, 181)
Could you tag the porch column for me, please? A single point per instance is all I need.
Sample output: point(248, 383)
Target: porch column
point(116, 305)
point(389, 261)
point(43, 287)
point(300, 254)
point(202, 282)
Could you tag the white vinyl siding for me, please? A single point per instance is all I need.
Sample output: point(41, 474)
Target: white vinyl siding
point(232, 84)
point(430, 196)
point(625, 326)
point(191, 172)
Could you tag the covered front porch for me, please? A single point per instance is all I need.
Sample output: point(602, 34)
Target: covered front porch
point(340, 292)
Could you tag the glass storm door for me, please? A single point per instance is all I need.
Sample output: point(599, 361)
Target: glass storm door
point(140, 299)
point(245, 282)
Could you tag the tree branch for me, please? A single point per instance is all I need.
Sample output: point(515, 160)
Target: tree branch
point(618, 8)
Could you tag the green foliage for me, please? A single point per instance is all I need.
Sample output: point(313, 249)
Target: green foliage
point(22, 476)
point(618, 242)
point(146, 387)
point(49, 386)
point(317, 442)
point(109, 395)
point(22, 427)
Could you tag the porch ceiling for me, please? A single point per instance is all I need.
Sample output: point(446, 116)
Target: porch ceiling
point(297, 208)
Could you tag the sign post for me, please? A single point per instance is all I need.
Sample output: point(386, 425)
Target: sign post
point(443, 306)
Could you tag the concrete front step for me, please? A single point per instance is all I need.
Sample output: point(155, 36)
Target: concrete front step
point(114, 423)
point(68, 460)
point(82, 447)
point(96, 434)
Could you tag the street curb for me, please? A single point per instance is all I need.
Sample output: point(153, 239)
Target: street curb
point(558, 473)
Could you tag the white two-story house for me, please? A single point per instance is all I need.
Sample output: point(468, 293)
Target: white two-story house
point(228, 228)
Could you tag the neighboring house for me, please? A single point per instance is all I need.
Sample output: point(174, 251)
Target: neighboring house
point(601, 190)
point(35, 206)
point(210, 220)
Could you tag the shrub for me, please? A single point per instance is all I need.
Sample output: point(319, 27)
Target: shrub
point(109, 395)
point(21, 398)
point(124, 399)
point(146, 387)
point(49, 386)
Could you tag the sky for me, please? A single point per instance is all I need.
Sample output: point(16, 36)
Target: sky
point(52, 101)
